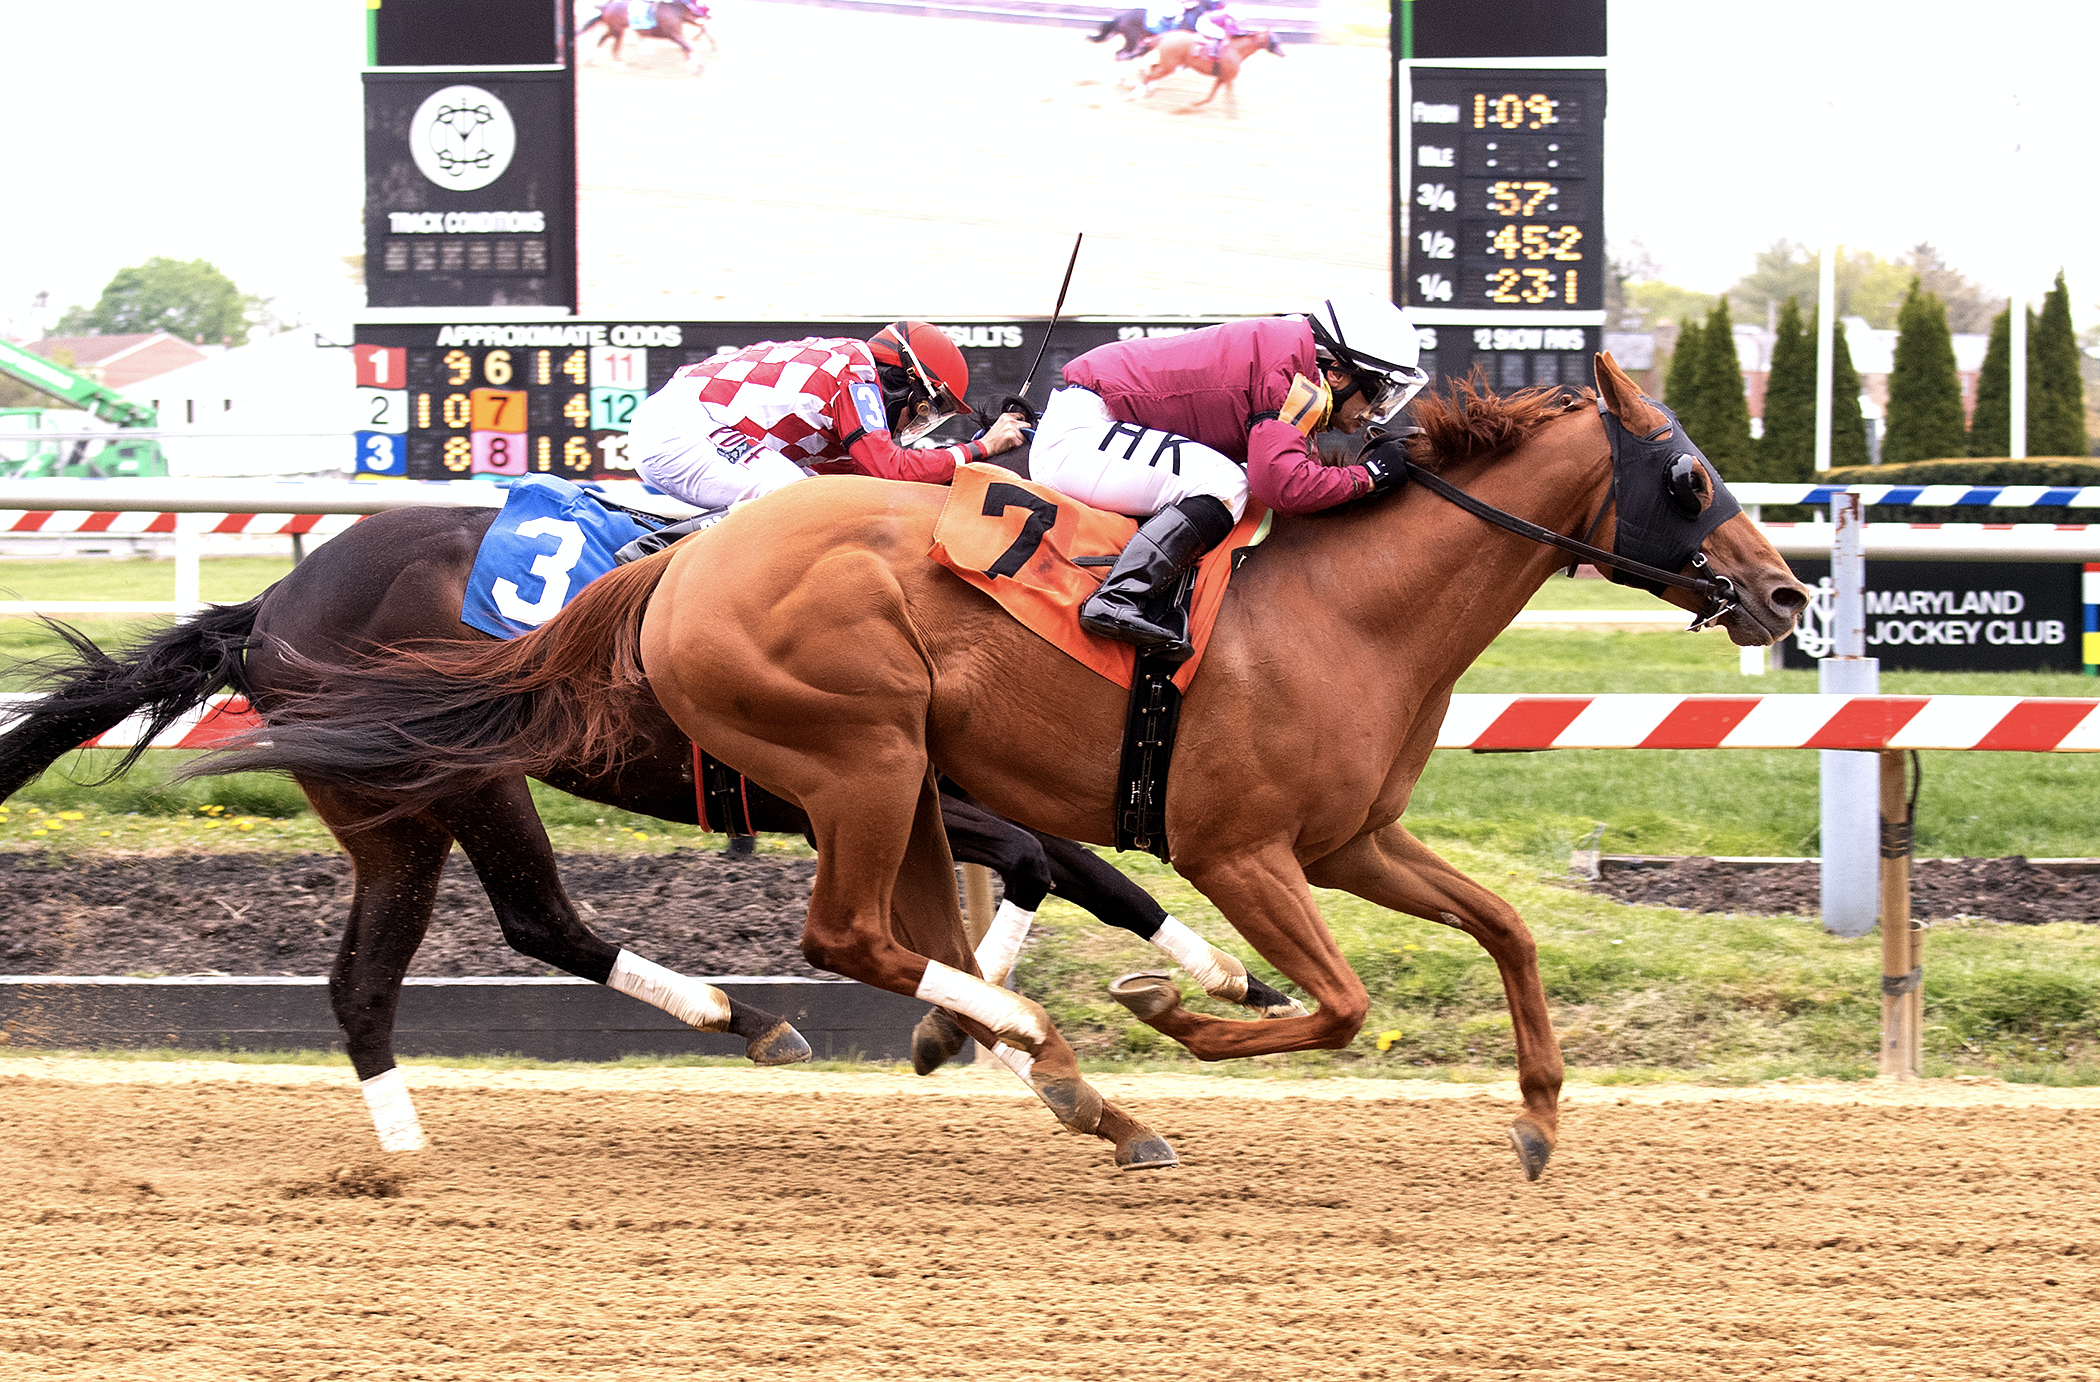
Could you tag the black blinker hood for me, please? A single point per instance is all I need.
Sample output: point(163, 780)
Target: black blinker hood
point(1650, 528)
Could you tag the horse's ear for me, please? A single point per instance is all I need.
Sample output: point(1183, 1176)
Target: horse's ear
point(1623, 397)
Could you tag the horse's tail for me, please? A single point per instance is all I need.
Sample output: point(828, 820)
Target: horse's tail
point(420, 721)
point(89, 691)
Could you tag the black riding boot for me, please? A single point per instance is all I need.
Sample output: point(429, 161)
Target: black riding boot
point(1166, 544)
point(649, 544)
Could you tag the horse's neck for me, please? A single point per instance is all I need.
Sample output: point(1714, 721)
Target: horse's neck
point(1443, 583)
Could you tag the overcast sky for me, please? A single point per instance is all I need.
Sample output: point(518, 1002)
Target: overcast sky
point(232, 132)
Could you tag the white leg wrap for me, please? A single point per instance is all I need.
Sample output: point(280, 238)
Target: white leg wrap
point(1002, 942)
point(1006, 1013)
point(393, 1113)
point(695, 1004)
point(1220, 974)
point(1020, 1062)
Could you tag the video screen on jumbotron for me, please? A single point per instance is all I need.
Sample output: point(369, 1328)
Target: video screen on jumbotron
point(842, 160)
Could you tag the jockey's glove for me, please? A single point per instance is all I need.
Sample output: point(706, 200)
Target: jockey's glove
point(1387, 464)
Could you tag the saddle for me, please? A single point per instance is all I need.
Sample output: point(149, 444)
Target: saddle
point(1035, 551)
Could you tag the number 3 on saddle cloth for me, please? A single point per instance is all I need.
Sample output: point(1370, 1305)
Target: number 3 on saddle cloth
point(551, 540)
point(1040, 554)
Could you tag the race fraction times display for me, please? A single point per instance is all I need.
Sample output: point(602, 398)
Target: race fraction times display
point(1503, 246)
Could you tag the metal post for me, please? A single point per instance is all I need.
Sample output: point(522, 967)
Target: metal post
point(1902, 942)
point(189, 571)
point(1826, 351)
point(1849, 779)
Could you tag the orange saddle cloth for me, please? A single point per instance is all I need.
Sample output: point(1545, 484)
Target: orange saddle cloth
point(1018, 542)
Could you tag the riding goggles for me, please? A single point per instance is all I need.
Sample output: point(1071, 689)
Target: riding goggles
point(1387, 394)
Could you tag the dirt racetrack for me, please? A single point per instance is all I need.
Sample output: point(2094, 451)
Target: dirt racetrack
point(231, 1222)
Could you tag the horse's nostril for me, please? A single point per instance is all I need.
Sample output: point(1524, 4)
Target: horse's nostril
point(1789, 597)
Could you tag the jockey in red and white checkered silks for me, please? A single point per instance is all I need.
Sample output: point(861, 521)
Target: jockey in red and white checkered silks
point(749, 422)
point(1183, 430)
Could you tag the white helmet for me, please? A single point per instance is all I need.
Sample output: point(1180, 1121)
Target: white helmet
point(1373, 342)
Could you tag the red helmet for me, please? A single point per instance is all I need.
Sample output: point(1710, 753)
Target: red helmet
point(938, 379)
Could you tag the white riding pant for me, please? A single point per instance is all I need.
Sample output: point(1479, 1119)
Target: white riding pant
point(693, 451)
point(1119, 466)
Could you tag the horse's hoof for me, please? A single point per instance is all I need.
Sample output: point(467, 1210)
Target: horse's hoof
point(935, 1041)
point(778, 1045)
point(1076, 1103)
point(1149, 994)
point(1147, 1153)
point(1269, 1002)
point(1533, 1146)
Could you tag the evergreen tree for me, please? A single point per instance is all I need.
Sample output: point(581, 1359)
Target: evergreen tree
point(1787, 451)
point(2055, 392)
point(1990, 429)
point(1924, 417)
point(1720, 422)
point(1848, 425)
point(1678, 384)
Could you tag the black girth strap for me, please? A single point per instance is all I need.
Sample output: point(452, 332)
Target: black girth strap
point(1148, 751)
point(724, 803)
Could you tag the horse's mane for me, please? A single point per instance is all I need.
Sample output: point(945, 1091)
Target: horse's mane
point(1469, 421)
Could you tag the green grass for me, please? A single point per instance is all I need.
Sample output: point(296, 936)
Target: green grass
point(225, 580)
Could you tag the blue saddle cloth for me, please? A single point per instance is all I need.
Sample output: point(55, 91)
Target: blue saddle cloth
point(551, 540)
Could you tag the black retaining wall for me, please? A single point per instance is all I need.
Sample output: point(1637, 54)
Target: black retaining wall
point(547, 1019)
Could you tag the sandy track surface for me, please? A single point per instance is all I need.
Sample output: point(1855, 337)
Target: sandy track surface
point(789, 180)
point(165, 1222)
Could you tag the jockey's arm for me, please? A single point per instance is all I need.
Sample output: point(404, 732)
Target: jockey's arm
point(1285, 473)
point(878, 454)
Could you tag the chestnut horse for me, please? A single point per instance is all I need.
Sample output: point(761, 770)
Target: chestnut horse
point(672, 17)
point(1182, 49)
point(810, 641)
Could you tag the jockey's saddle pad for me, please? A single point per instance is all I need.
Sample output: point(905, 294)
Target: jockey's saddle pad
point(550, 541)
point(1040, 554)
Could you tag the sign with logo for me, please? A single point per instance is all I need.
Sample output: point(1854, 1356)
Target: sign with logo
point(1949, 616)
point(469, 189)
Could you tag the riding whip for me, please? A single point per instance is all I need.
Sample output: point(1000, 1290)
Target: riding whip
point(1055, 312)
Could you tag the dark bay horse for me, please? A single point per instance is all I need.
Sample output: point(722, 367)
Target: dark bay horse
point(398, 577)
point(1181, 49)
point(672, 17)
point(811, 642)
point(1138, 37)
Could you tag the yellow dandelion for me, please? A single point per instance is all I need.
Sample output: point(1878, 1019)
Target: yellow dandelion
point(1386, 1039)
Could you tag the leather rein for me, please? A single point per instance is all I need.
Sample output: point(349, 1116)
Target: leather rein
point(1717, 590)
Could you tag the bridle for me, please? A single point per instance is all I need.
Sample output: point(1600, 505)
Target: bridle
point(1717, 590)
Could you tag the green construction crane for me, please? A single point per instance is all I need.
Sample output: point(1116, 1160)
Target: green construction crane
point(23, 457)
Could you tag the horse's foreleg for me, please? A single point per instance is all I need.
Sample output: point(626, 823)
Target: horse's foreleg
point(1393, 869)
point(395, 870)
point(501, 833)
point(1263, 893)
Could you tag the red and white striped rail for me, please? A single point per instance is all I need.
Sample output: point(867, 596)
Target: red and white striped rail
point(127, 523)
point(207, 726)
point(2016, 724)
point(1632, 721)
